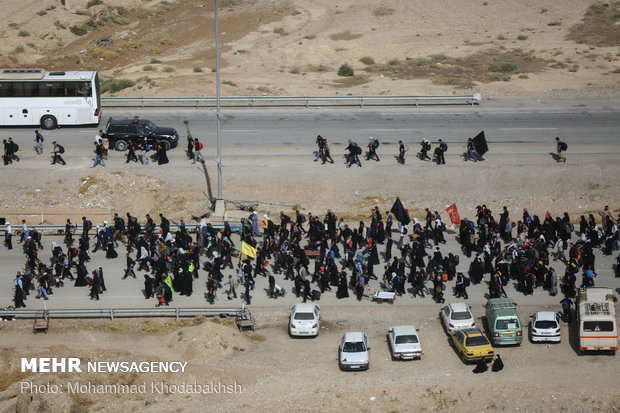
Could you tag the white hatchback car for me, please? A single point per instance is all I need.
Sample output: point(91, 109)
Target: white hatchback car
point(404, 343)
point(353, 352)
point(456, 316)
point(305, 320)
point(546, 326)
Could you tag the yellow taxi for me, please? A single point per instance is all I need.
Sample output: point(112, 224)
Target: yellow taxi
point(472, 345)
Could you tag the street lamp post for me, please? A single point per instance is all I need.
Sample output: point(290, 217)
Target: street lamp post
point(219, 120)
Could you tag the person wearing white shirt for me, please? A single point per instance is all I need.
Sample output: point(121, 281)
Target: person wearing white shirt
point(8, 234)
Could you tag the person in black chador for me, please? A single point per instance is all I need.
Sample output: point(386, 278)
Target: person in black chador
point(148, 287)
point(162, 157)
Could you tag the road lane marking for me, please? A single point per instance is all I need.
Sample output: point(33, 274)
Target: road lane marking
point(385, 130)
point(527, 128)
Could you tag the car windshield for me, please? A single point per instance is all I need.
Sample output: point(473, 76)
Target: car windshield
point(357, 347)
point(544, 324)
point(303, 316)
point(410, 339)
point(461, 315)
point(507, 324)
point(476, 341)
point(150, 126)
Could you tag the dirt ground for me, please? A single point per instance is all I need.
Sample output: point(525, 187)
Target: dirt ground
point(499, 47)
point(495, 47)
point(277, 182)
point(278, 373)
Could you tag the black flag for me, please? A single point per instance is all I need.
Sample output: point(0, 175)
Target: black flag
point(399, 212)
point(480, 144)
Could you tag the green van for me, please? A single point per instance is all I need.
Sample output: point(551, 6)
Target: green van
point(503, 322)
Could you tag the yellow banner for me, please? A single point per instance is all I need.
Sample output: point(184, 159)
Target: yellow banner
point(248, 250)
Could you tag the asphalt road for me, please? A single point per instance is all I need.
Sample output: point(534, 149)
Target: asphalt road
point(593, 127)
point(128, 293)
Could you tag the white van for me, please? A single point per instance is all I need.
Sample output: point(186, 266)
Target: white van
point(597, 319)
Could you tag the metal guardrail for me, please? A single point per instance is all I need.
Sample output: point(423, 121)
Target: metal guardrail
point(111, 313)
point(290, 101)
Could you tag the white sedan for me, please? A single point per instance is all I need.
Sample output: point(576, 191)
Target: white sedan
point(404, 343)
point(546, 326)
point(353, 352)
point(456, 316)
point(305, 320)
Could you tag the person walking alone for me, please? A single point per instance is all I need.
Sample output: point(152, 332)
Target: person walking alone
point(402, 148)
point(373, 144)
point(439, 152)
point(197, 155)
point(98, 154)
point(131, 152)
point(560, 148)
point(8, 234)
point(470, 152)
point(56, 153)
point(38, 142)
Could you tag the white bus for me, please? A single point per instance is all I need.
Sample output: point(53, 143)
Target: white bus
point(34, 97)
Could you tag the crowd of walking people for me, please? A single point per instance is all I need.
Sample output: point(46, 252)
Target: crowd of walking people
point(353, 151)
point(319, 255)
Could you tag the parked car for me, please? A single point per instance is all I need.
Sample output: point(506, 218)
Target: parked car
point(456, 316)
point(404, 343)
point(472, 345)
point(353, 352)
point(122, 131)
point(305, 319)
point(503, 322)
point(546, 326)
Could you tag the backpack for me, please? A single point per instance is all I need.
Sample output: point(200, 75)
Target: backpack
point(358, 150)
point(302, 218)
point(61, 149)
point(89, 225)
point(200, 146)
point(147, 147)
point(467, 282)
point(376, 143)
point(563, 146)
point(40, 137)
point(444, 146)
point(15, 147)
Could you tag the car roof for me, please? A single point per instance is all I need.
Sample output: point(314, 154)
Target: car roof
point(127, 120)
point(354, 336)
point(471, 332)
point(304, 308)
point(458, 307)
point(545, 315)
point(404, 330)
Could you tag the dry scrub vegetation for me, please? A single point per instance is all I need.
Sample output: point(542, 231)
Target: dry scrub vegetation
point(414, 47)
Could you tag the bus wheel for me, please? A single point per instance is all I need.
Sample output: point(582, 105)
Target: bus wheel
point(120, 146)
point(48, 122)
